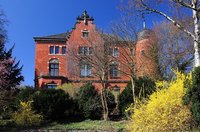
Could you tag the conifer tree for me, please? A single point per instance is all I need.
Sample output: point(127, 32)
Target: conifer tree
point(10, 71)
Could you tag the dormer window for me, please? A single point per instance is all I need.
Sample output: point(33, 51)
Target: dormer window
point(85, 34)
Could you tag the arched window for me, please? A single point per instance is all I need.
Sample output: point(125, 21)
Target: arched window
point(53, 67)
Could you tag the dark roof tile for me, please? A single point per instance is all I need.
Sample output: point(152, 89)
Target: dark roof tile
point(56, 37)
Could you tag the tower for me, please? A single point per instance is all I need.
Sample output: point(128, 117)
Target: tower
point(146, 54)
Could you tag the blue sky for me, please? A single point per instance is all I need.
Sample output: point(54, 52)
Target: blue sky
point(29, 18)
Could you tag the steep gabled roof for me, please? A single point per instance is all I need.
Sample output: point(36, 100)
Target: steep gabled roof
point(62, 37)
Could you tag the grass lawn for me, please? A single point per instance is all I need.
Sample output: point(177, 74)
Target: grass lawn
point(89, 125)
point(97, 125)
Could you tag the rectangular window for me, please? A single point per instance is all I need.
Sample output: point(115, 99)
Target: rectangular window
point(90, 50)
point(114, 52)
point(51, 85)
point(85, 34)
point(89, 70)
point(114, 70)
point(131, 51)
point(85, 50)
point(53, 69)
point(110, 51)
point(83, 71)
point(51, 49)
point(80, 50)
point(64, 50)
point(86, 70)
point(56, 49)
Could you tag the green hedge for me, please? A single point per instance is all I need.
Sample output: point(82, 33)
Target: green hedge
point(51, 103)
point(144, 87)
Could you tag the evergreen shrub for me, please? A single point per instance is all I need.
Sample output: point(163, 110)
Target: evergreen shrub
point(89, 102)
point(51, 103)
point(193, 95)
point(144, 87)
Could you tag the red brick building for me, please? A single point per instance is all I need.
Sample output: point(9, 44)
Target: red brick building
point(58, 61)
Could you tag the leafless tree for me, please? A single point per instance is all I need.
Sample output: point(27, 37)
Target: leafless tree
point(175, 49)
point(164, 9)
point(126, 32)
point(95, 56)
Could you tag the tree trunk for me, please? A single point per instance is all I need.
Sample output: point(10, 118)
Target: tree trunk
point(105, 114)
point(196, 34)
point(195, 14)
point(103, 99)
point(133, 88)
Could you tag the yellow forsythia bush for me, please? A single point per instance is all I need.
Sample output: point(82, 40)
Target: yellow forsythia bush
point(164, 111)
point(26, 116)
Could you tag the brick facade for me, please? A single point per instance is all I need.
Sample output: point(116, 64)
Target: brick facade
point(55, 65)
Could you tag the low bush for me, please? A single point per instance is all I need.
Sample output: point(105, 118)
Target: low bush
point(7, 103)
point(25, 94)
point(89, 102)
point(144, 87)
point(25, 116)
point(52, 103)
point(192, 96)
point(164, 111)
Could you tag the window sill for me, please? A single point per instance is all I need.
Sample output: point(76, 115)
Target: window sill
point(115, 77)
point(57, 54)
point(86, 77)
point(115, 55)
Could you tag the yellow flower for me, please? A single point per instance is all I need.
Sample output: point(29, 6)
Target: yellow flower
point(164, 111)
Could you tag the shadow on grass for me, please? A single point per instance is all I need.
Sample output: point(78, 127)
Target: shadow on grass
point(59, 125)
point(9, 125)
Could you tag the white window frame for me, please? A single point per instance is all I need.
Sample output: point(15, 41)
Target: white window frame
point(51, 84)
point(87, 70)
point(85, 48)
